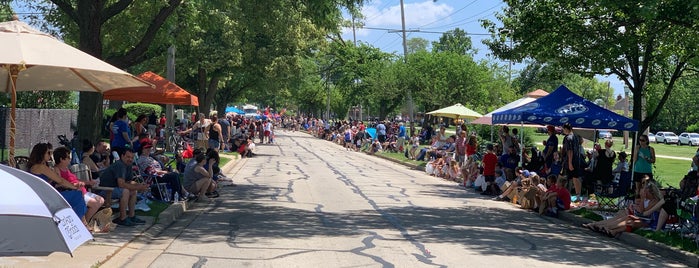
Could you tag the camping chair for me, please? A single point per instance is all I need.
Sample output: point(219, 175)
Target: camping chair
point(153, 181)
point(82, 171)
point(22, 163)
point(688, 219)
point(615, 199)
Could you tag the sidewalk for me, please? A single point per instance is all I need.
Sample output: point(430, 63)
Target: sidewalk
point(105, 246)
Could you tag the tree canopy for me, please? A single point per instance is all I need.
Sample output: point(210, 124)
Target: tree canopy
point(648, 44)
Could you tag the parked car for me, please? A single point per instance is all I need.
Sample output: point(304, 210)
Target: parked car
point(651, 137)
point(603, 134)
point(689, 139)
point(666, 137)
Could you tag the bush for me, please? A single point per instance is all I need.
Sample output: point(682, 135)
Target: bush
point(137, 109)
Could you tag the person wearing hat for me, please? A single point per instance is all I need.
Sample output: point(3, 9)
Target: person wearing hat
point(551, 145)
point(148, 166)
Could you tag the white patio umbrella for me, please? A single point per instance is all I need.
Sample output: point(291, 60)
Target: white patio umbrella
point(31, 60)
point(36, 220)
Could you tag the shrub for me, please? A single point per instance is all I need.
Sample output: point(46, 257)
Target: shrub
point(137, 109)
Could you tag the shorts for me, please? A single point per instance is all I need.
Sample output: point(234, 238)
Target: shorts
point(575, 173)
point(89, 196)
point(559, 204)
point(116, 193)
point(267, 133)
point(214, 144)
point(192, 188)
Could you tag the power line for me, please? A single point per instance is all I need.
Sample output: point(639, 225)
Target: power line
point(469, 18)
point(447, 16)
point(378, 14)
point(416, 31)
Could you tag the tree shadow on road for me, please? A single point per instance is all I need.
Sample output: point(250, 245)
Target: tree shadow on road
point(250, 214)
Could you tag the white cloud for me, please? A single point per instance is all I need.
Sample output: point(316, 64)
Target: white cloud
point(416, 14)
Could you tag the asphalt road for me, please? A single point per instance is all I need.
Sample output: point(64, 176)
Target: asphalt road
point(305, 202)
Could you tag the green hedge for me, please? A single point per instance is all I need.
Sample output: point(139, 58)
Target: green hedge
point(135, 109)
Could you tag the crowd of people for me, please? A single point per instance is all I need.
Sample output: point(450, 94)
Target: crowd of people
point(562, 175)
point(129, 167)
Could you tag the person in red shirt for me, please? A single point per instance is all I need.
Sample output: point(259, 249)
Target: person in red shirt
point(556, 199)
point(489, 162)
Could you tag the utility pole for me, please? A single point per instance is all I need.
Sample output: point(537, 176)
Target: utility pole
point(405, 58)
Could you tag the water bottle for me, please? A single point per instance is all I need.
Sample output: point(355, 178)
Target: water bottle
point(176, 198)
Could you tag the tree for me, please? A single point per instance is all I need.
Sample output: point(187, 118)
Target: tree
point(456, 41)
point(647, 44)
point(417, 44)
point(83, 22)
point(548, 76)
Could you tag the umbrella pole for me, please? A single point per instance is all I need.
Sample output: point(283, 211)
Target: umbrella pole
point(13, 71)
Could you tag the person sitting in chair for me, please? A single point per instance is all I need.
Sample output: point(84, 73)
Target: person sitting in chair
point(119, 176)
point(151, 167)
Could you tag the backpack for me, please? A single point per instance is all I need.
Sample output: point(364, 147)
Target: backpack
point(101, 222)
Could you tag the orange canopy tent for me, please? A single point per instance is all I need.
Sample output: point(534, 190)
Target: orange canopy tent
point(165, 92)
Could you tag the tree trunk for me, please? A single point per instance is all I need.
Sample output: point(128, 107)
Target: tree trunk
point(90, 103)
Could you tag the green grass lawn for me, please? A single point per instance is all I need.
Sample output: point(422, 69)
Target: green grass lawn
point(156, 207)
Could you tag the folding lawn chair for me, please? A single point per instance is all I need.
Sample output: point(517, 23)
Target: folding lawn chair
point(615, 199)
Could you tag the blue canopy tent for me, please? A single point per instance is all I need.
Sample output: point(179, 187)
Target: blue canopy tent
point(563, 106)
point(234, 110)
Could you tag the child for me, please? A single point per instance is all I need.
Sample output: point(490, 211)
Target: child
point(453, 171)
point(556, 198)
point(621, 166)
point(556, 164)
point(415, 143)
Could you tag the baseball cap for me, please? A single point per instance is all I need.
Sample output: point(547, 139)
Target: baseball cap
point(525, 173)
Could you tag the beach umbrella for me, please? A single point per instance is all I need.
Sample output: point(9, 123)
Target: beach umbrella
point(36, 220)
point(456, 111)
point(31, 60)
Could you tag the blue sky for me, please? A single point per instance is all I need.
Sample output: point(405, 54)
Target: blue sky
point(433, 18)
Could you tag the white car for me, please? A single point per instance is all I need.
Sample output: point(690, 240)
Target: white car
point(666, 137)
point(689, 138)
point(651, 137)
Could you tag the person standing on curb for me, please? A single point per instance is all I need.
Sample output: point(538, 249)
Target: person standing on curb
point(643, 160)
point(572, 160)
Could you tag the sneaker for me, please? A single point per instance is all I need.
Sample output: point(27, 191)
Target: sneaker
point(125, 222)
point(497, 198)
point(213, 194)
point(136, 220)
point(574, 198)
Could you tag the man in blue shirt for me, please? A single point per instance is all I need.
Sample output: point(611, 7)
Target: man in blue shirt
point(381, 132)
point(121, 131)
point(401, 137)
